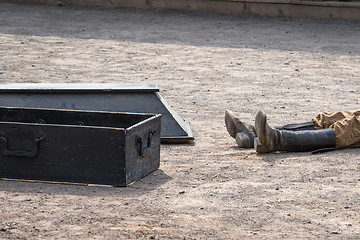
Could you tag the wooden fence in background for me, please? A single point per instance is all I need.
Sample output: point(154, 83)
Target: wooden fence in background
point(270, 8)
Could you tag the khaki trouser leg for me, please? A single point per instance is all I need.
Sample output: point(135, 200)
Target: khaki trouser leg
point(346, 125)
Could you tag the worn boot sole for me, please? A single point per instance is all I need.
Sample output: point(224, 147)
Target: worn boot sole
point(267, 138)
point(234, 125)
point(230, 125)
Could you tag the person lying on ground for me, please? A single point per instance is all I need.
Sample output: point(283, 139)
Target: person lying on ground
point(328, 130)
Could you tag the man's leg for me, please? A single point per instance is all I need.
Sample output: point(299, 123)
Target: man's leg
point(272, 140)
point(245, 134)
point(347, 131)
point(326, 119)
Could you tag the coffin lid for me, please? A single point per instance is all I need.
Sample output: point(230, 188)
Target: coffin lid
point(115, 97)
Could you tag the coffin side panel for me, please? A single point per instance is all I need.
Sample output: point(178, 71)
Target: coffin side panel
point(66, 154)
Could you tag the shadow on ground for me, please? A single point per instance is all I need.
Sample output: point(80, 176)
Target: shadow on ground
point(148, 184)
point(182, 28)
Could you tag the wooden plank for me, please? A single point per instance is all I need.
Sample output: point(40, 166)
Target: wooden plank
point(271, 8)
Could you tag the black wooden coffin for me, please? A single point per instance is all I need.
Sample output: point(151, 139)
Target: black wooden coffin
point(78, 146)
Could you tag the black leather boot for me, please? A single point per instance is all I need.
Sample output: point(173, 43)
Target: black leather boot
point(243, 133)
point(245, 140)
point(272, 140)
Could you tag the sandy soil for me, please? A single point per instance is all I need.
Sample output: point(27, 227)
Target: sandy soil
point(204, 64)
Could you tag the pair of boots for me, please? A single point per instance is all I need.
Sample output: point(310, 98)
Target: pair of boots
point(293, 137)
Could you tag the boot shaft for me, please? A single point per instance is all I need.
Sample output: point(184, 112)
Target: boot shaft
point(271, 139)
point(307, 140)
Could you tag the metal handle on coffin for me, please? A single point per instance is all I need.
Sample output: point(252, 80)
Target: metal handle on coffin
point(19, 152)
point(144, 150)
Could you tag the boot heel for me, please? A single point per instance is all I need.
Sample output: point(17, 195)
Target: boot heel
point(260, 148)
point(245, 140)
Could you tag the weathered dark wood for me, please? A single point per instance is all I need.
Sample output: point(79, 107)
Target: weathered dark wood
point(77, 146)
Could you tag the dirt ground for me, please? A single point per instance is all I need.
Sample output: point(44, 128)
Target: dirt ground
point(204, 64)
